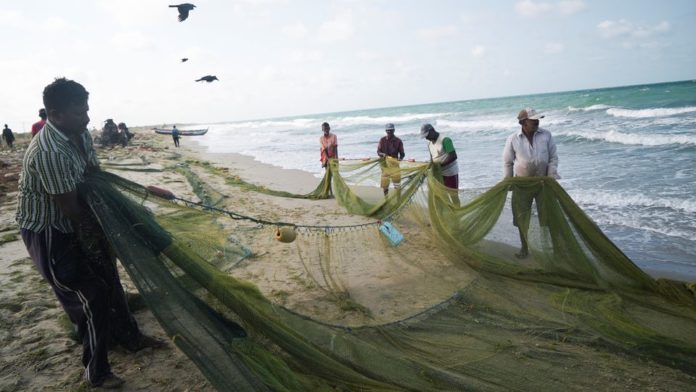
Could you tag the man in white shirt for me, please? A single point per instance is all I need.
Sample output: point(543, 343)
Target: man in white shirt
point(529, 152)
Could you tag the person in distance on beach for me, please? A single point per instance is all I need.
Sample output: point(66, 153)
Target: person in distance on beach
point(391, 150)
point(444, 157)
point(175, 136)
point(37, 126)
point(328, 143)
point(8, 136)
point(328, 149)
point(530, 151)
point(63, 238)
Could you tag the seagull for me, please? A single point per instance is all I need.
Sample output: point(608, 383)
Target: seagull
point(184, 9)
point(185, 59)
point(207, 78)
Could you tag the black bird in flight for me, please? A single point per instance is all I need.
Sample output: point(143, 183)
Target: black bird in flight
point(207, 78)
point(185, 59)
point(184, 9)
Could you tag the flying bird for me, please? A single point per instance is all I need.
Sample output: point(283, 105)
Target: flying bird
point(184, 9)
point(207, 78)
point(185, 59)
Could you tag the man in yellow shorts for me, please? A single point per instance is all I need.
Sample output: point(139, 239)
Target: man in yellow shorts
point(391, 150)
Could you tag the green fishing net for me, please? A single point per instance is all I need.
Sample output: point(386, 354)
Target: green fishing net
point(573, 314)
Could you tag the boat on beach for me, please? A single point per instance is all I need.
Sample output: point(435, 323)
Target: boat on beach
point(182, 132)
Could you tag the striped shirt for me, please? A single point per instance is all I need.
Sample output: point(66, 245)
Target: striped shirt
point(52, 165)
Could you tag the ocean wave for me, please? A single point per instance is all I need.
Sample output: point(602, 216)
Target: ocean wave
point(494, 123)
point(663, 215)
point(637, 200)
point(479, 124)
point(631, 138)
point(381, 120)
point(647, 113)
point(589, 108)
point(298, 123)
point(335, 122)
point(640, 224)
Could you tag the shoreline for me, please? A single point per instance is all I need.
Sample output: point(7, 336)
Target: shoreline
point(260, 173)
point(300, 181)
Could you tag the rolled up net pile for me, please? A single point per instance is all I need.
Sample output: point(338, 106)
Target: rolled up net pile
point(575, 312)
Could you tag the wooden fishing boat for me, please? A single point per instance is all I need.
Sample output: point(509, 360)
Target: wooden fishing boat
point(182, 132)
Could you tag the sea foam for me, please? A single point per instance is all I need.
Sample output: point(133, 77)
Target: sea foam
point(631, 138)
point(648, 113)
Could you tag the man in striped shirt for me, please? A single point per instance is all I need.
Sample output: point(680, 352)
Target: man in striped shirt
point(53, 220)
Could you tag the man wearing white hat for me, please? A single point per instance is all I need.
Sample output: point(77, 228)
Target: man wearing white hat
point(528, 152)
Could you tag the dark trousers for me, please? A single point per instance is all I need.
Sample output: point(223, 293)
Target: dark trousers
point(452, 182)
point(91, 295)
point(176, 140)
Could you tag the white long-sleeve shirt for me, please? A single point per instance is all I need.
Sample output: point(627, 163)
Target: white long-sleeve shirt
point(522, 159)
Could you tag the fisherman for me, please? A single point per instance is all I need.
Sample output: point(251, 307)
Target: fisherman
point(328, 144)
point(391, 150)
point(8, 136)
point(444, 157)
point(528, 152)
point(175, 136)
point(37, 126)
point(55, 224)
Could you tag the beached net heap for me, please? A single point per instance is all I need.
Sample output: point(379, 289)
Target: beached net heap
point(575, 308)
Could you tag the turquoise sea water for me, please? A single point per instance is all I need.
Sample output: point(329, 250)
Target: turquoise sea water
point(627, 154)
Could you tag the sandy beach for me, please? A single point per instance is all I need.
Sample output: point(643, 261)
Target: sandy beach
point(37, 353)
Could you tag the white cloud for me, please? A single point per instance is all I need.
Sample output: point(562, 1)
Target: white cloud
point(553, 48)
point(644, 32)
point(12, 19)
point(304, 56)
point(435, 33)
point(18, 20)
point(531, 8)
point(296, 31)
point(54, 24)
point(623, 28)
point(137, 12)
point(131, 40)
point(570, 7)
point(478, 51)
point(610, 29)
point(267, 73)
point(339, 28)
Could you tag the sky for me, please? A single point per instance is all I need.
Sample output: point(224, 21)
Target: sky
point(279, 58)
